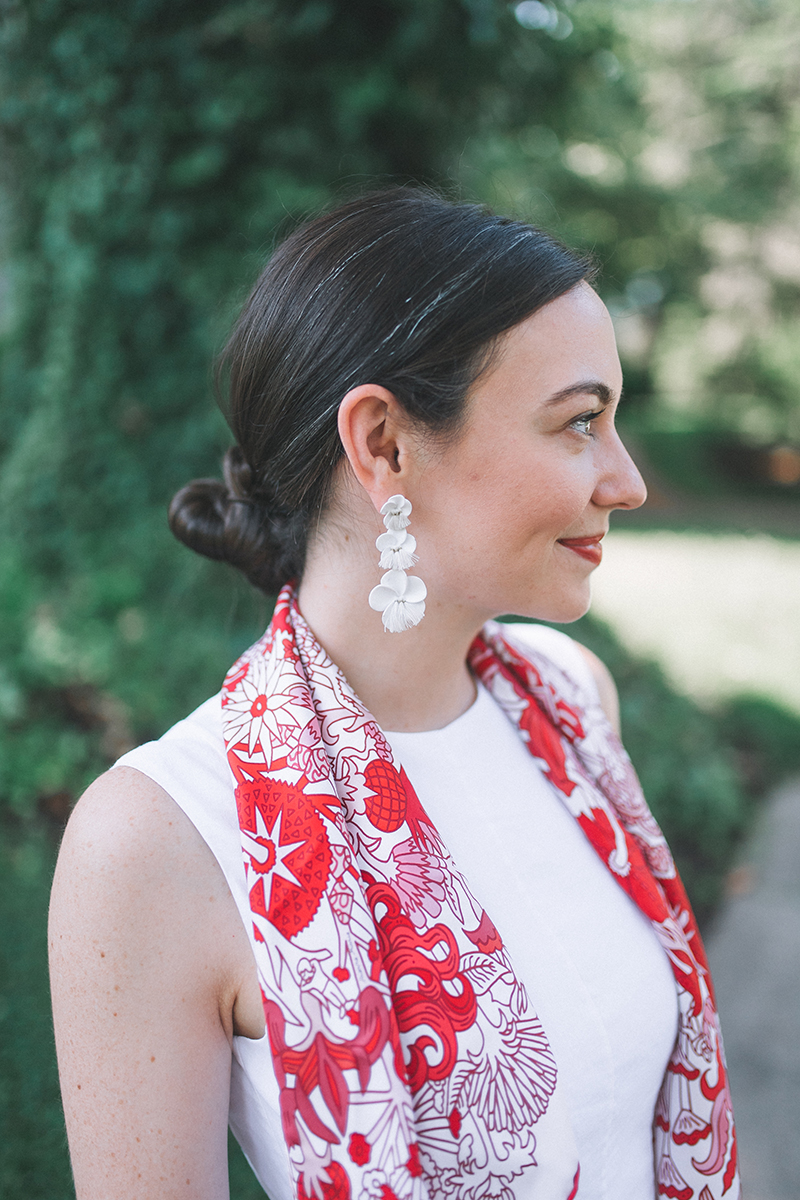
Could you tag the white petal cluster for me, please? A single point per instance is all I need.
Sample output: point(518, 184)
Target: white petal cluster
point(396, 512)
point(399, 597)
point(397, 550)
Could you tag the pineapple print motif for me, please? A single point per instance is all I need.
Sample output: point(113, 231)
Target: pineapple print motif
point(386, 808)
point(372, 1056)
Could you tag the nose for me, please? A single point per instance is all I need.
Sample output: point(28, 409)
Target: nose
point(621, 485)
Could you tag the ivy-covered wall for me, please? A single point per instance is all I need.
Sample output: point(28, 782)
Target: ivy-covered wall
point(151, 154)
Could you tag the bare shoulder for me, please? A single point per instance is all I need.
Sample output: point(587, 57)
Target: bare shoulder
point(133, 866)
point(607, 689)
point(126, 828)
point(125, 820)
point(152, 974)
point(128, 848)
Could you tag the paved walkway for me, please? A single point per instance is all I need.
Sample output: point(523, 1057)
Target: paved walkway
point(754, 949)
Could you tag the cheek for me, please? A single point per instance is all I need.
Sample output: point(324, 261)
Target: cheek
point(540, 508)
point(504, 534)
point(497, 501)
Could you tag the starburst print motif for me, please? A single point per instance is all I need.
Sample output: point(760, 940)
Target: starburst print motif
point(466, 1066)
point(261, 708)
point(267, 854)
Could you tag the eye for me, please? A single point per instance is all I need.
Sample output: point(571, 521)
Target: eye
point(583, 423)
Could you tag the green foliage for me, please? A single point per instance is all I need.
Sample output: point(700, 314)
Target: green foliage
point(766, 737)
point(151, 155)
point(33, 1152)
point(243, 1183)
point(675, 158)
point(563, 155)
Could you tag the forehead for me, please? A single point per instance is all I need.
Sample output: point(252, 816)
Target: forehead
point(569, 341)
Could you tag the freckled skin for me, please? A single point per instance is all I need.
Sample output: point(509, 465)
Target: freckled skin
point(145, 1077)
point(494, 505)
point(491, 507)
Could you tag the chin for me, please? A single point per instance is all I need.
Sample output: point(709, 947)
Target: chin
point(559, 610)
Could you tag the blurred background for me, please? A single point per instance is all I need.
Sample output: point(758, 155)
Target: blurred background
point(150, 154)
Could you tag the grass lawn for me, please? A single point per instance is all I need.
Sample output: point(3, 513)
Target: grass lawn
point(719, 612)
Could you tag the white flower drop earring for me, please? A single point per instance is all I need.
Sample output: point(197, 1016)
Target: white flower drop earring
point(399, 597)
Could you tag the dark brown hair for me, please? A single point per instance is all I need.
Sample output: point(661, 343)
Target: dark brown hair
point(399, 288)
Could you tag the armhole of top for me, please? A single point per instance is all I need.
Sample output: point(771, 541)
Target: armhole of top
point(563, 650)
point(190, 764)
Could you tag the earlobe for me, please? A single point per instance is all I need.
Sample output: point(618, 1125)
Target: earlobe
point(370, 431)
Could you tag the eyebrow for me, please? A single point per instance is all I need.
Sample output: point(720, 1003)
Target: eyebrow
point(589, 387)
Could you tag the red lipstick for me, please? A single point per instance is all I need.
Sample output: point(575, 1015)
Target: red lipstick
point(588, 547)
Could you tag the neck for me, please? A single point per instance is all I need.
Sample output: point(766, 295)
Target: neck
point(410, 681)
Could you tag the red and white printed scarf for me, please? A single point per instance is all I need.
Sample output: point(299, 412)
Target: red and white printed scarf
point(410, 1061)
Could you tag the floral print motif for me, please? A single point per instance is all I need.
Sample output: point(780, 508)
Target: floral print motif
point(418, 881)
point(609, 805)
point(410, 1062)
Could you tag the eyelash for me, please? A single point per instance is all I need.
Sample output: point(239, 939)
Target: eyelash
point(586, 418)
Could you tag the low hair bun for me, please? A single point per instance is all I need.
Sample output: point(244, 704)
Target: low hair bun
point(238, 474)
point(222, 521)
point(397, 288)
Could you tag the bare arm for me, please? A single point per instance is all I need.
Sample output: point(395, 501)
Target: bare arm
point(151, 976)
point(609, 697)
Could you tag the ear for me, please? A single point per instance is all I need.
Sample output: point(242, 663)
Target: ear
point(375, 434)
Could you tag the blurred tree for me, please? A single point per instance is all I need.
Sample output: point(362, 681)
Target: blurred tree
point(724, 130)
point(677, 160)
point(151, 153)
point(150, 157)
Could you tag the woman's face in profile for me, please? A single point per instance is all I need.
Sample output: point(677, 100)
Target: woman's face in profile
point(509, 516)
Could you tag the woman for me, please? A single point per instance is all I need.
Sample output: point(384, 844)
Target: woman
point(456, 919)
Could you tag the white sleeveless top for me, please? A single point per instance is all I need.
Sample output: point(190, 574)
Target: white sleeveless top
point(590, 961)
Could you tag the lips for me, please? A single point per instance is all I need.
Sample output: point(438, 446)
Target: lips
point(588, 547)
